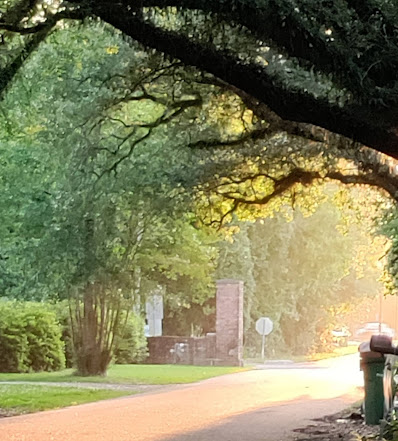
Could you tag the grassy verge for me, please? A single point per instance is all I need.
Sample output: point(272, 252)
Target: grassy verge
point(132, 374)
point(16, 399)
point(338, 352)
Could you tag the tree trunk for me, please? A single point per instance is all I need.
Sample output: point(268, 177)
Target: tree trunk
point(92, 324)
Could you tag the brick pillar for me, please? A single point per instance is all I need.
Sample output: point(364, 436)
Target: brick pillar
point(229, 322)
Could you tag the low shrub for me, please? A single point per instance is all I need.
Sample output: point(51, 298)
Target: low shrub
point(131, 345)
point(30, 338)
point(63, 318)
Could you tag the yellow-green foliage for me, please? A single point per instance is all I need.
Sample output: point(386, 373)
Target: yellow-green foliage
point(131, 346)
point(30, 338)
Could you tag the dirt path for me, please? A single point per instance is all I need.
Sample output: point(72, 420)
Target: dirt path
point(261, 405)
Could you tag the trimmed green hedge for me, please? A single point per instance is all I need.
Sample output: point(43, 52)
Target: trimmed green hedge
point(30, 338)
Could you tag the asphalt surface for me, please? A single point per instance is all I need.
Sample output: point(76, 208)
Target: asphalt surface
point(261, 405)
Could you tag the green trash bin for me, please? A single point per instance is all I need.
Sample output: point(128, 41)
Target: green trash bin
point(372, 365)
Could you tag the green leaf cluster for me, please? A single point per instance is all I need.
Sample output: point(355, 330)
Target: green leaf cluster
point(131, 346)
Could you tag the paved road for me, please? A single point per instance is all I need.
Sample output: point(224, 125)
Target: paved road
point(261, 405)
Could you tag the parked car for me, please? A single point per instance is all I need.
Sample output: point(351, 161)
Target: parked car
point(340, 336)
point(365, 332)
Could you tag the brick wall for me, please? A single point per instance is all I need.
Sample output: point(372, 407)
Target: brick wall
point(225, 347)
point(181, 350)
point(229, 322)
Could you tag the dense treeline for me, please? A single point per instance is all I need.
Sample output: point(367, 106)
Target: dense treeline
point(302, 271)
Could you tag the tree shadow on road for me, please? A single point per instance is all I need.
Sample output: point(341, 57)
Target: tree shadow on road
point(271, 423)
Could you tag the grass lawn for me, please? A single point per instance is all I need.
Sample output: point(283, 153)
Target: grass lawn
point(16, 399)
point(132, 374)
point(338, 352)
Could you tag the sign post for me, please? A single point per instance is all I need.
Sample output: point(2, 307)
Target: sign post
point(264, 326)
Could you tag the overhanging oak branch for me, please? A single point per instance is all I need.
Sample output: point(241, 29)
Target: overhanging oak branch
point(351, 121)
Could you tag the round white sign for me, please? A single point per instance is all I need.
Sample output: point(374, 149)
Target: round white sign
point(264, 326)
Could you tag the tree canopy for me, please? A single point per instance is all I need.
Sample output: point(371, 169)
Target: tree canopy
point(329, 64)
